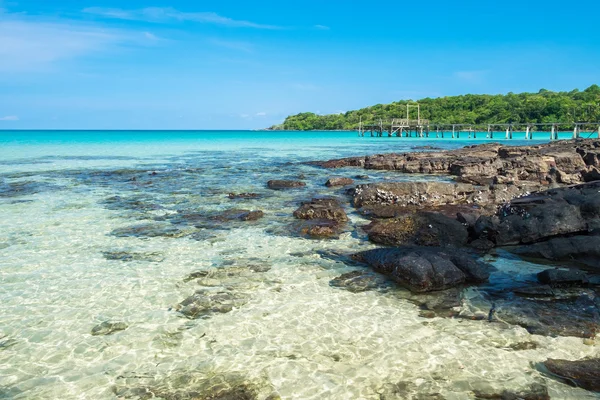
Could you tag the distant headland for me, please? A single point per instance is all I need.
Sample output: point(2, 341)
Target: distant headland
point(541, 107)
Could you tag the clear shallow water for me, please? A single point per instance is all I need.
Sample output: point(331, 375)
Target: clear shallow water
point(292, 332)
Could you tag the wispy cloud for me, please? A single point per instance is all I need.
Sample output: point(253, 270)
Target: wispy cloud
point(232, 44)
point(261, 114)
point(167, 14)
point(322, 27)
point(308, 87)
point(470, 76)
point(9, 118)
point(28, 43)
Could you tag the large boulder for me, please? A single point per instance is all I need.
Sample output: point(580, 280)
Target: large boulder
point(544, 215)
point(583, 373)
point(321, 208)
point(422, 228)
point(423, 269)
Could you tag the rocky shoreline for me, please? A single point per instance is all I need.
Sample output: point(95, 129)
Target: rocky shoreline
point(541, 203)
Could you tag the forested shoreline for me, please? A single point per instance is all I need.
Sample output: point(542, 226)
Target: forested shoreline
point(541, 107)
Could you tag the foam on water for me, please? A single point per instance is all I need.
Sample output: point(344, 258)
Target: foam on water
point(293, 331)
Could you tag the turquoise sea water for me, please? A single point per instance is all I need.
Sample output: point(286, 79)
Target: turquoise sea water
point(106, 226)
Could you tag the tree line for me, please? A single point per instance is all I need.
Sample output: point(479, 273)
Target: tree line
point(541, 107)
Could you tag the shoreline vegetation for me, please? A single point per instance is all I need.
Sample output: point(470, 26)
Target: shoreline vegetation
point(542, 107)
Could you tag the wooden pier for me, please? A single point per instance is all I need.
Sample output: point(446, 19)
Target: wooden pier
point(404, 127)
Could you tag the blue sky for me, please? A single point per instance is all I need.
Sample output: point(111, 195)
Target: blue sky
point(148, 64)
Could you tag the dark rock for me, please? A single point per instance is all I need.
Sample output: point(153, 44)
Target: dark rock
point(545, 215)
point(195, 275)
point(339, 182)
point(482, 244)
point(577, 249)
point(322, 208)
point(423, 269)
point(358, 281)
point(108, 328)
point(562, 277)
point(583, 373)
point(521, 346)
point(423, 228)
point(284, 184)
point(362, 177)
point(234, 196)
point(241, 215)
point(204, 303)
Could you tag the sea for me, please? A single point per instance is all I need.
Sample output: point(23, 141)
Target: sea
point(120, 227)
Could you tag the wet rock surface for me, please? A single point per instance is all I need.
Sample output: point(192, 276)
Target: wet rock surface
point(422, 228)
point(322, 208)
point(24, 188)
point(423, 269)
point(234, 196)
point(284, 184)
point(583, 373)
point(108, 328)
point(562, 277)
point(323, 218)
point(336, 181)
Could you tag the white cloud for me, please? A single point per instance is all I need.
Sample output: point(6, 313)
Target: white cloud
point(28, 43)
point(9, 118)
point(244, 115)
point(166, 14)
point(261, 114)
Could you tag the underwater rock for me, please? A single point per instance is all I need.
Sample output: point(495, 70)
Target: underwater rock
point(322, 208)
point(234, 196)
point(317, 228)
point(424, 269)
point(136, 203)
point(192, 386)
point(422, 228)
point(562, 277)
point(203, 303)
point(535, 392)
point(579, 249)
point(583, 373)
point(148, 231)
point(284, 184)
point(239, 215)
point(358, 281)
point(560, 313)
point(133, 256)
point(339, 182)
point(17, 189)
point(108, 328)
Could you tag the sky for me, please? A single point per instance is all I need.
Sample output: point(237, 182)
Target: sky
point(240, 64)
